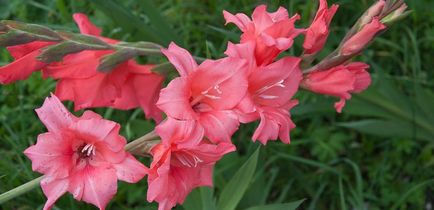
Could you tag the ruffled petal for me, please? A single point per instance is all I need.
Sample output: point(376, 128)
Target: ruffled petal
point(219, 125)
point(275, 122)
point(181, 59)
point(186, 132)
point(100, 185)
point(54, 115)
point(174, 100)
point(130, 170)
point(53, 189)
point(21, 68)
point(261, 18)
point(51, 156)
point(275, 84)
point(147, 89)
point(215, 82)
point(86, 27)
point(94, 129)
point(240, 20)
point(19, 51)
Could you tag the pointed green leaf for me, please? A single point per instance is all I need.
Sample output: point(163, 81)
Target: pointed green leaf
point(284, 206)
point(387, 128)
point(237, 186)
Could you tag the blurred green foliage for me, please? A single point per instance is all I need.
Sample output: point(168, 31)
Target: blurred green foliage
point(378, 154)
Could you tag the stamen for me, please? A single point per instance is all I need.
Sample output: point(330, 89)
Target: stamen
point(265, 88)
point(88, 150)
point(268, 96)
point(212, 97)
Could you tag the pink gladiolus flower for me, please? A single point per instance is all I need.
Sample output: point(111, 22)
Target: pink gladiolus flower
point(359, 41)
point(178, 166)
point(317, 33)
point(272, 32)
point(127, 86)
point(84, 156)
point(339, 81)
point(205, 93)
point(271, 88)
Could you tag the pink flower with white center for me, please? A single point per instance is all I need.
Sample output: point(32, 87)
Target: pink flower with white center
point(84, 156)
point(273, 33)
point(178, 166)
point(205, 94)
point(317, 33)
point(339, 81)
point(270, 90)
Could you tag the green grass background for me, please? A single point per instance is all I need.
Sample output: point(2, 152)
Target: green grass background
point(377, 154)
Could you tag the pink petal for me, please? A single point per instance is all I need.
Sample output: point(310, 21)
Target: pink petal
point(81, 65)
point(280, 14)
point(53, 189)
point(274, 123)
point(337, 82)
point(54, 115)
point(340, 105)
point(219, 79)
point(19, 51)
point(219, 125)
point(21, 68)
point(363, 78)
point(96, 91)
point(181, 59)
point(86, 27)
point(100, 185)
point(147, 88)
point(275, 84)
point(261, 18)
point(205, 176)
point(240, 20)
point(94, 130)
point(64, 90)
point(128, 97)
point(186, 132)
point(174, 100)
point(51, 155)
point(130, 170)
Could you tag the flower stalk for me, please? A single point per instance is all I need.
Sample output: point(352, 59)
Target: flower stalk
point(384, 11)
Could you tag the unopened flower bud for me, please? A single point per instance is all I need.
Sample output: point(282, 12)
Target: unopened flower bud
point(372, 12)
point(362, 38)
point(396, 15)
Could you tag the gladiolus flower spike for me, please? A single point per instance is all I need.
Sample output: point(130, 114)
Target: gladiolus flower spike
point(254, 81)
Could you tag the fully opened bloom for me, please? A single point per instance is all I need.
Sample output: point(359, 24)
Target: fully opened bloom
point(81, 155)
point(339, 81)
point(205, 94)
point(269, 94)
point(317, 33)
point(178, 166)
point(127, 86)
point(272, 32)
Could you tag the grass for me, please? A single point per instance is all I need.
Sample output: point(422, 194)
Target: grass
point(378, 154)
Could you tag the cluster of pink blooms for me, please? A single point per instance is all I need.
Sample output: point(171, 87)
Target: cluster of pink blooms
point(204, 105)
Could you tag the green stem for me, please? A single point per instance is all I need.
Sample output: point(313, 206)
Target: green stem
point(142, 144)
point(20, 190)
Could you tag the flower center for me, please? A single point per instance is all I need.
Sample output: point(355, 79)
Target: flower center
point(86, 151)
point(213, 93)
point(186, 159)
